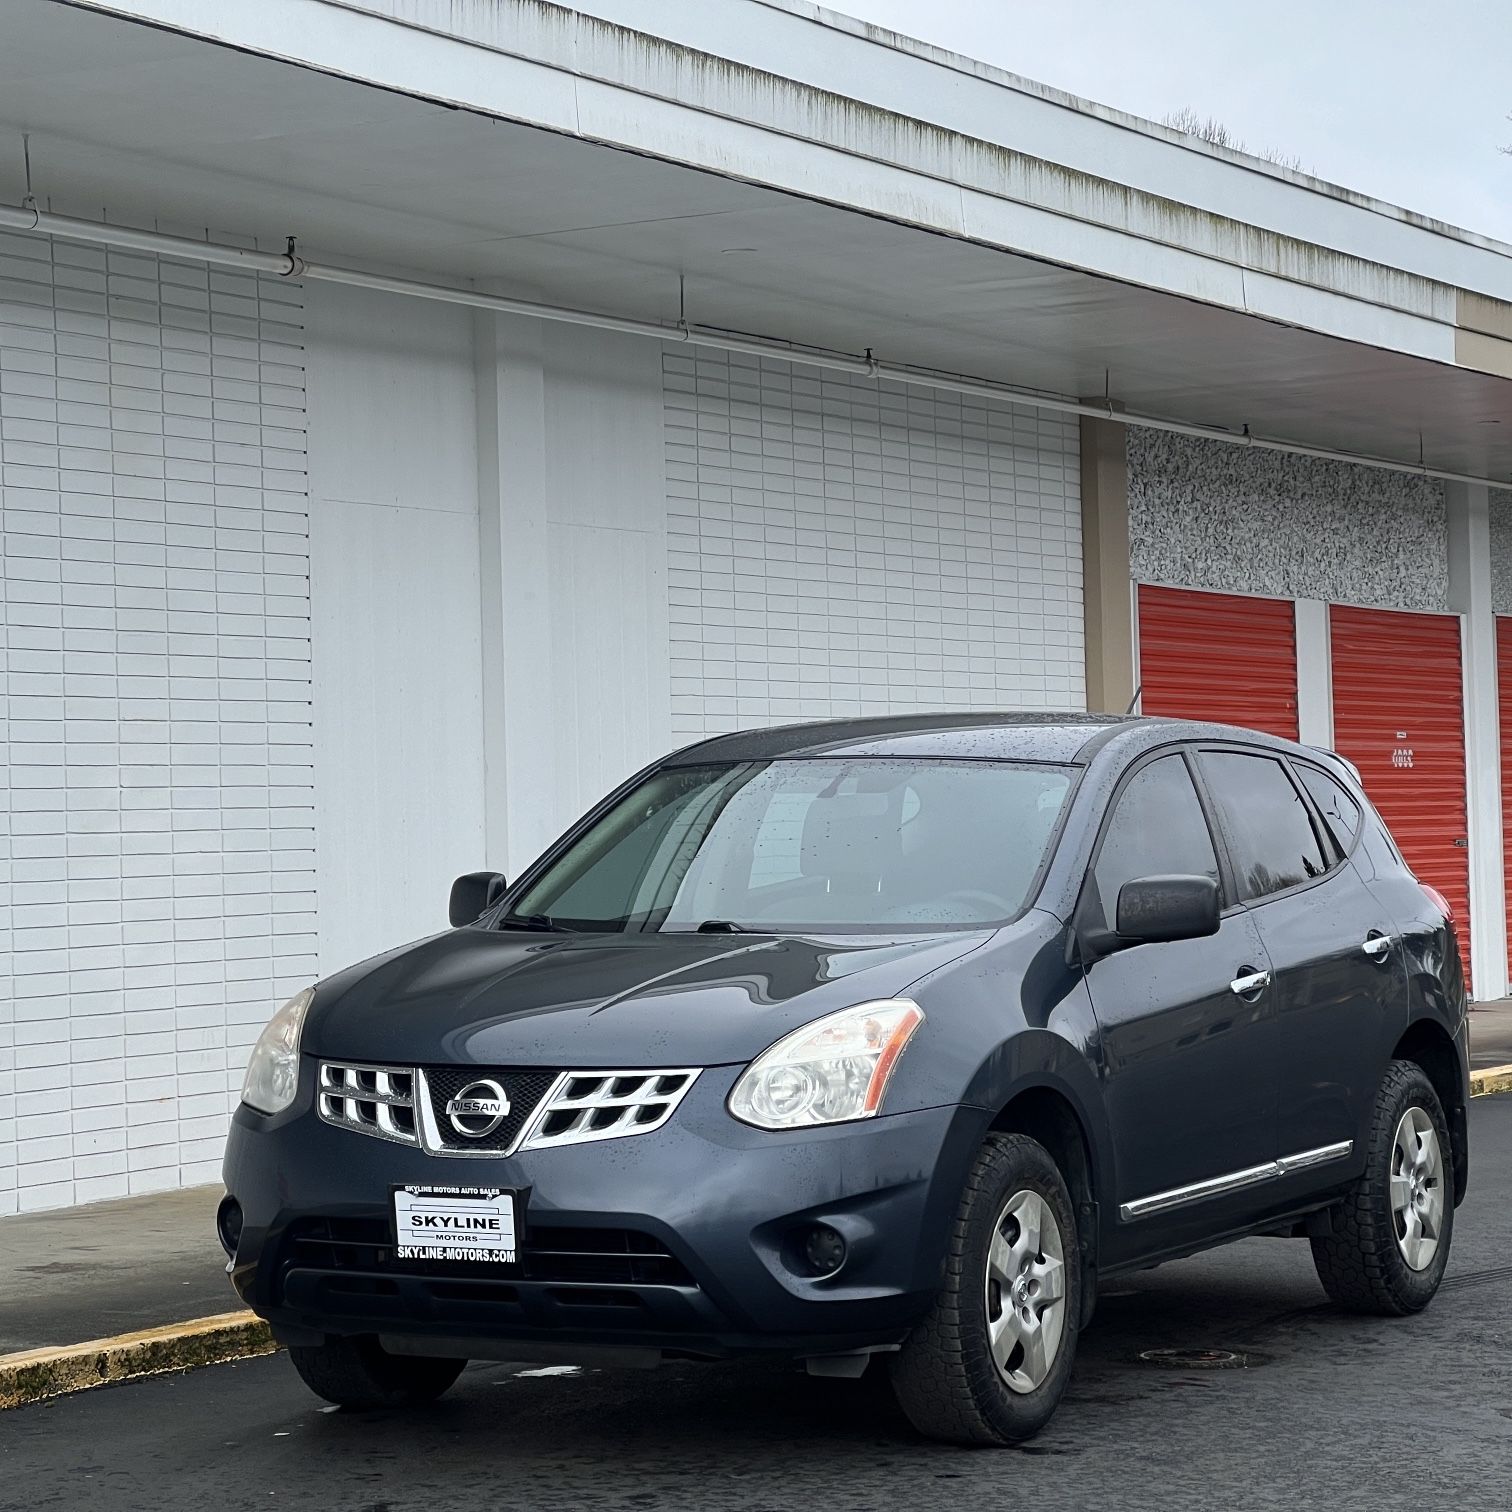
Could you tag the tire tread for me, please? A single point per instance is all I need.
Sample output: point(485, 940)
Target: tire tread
point(940, 1378)
point(1359, 1263)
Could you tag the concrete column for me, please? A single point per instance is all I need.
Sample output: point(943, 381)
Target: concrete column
point(1108, 594)
point(514, 579)
point(572, 538)
point(1470, 596)
point(1314, 674)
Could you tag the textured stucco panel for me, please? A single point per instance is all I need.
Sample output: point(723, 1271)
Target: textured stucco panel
point(1501, 553)
point(1205, 514)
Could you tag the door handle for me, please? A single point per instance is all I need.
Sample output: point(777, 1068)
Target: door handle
point(1378, 946)
point(1250, 983)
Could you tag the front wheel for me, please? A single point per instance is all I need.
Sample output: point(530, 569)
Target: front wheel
point(990, 1362)
point(359, 1373)
point(1390, 1239)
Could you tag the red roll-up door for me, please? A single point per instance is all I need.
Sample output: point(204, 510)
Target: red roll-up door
point(1504, 700)
point(1220, 656)
point(1399, 715)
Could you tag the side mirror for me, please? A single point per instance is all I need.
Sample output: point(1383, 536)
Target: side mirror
point(1156, 909)
point(474, 894)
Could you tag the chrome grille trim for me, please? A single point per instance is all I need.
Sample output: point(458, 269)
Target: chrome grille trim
point(580, 1107)
point(585, 1106)
point(370, 1100)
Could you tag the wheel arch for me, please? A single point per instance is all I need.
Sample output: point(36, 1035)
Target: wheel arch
point(1427, 1044)
point(1039, 1069)
point(1043, 1111)
point(1048, 1110)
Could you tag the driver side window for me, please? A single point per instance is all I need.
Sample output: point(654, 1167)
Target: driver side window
point(1157, 827)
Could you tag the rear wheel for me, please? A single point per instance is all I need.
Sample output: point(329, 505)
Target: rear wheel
point(360, 1373)
point(1391, 1235)
point(990, 1363)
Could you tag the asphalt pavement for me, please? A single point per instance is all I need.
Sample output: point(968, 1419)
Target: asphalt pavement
point(110, 1268)
point(1330, 1411)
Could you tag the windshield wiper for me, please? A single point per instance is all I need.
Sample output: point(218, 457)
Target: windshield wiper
point(533, 921)
point(720, 926)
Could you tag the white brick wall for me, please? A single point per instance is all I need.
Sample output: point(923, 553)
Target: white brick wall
point(840, 547)
point(156, 830)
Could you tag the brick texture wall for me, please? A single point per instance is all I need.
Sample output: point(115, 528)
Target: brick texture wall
point(841, 547)
point(156, 807)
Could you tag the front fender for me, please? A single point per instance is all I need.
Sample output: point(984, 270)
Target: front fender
point(1050, 1060)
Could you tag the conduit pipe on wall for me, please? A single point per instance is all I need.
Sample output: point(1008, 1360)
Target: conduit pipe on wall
point(291, 265)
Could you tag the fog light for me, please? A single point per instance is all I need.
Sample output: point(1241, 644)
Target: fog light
point(228, 1225)
point(823, 1249)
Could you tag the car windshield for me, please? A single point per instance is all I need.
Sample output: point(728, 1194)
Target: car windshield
point(797, 846)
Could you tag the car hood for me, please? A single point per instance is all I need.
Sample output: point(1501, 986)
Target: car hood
point(484, 997)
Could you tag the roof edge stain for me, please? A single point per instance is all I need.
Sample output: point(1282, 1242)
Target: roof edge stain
point(620, 57)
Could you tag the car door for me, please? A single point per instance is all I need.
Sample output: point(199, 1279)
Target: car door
point(1184, 1025)
point(1338, 976)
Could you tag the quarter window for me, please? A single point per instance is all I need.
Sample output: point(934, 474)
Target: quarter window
point(1157, 828)
point(1272, 841)
point(1340, 812)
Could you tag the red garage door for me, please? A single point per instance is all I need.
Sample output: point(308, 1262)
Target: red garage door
point(1219, 656)
point(1399, 715)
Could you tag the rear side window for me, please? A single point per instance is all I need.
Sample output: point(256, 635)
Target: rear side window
point(1272, 842)
point(1157, 828)
point(1340, 812)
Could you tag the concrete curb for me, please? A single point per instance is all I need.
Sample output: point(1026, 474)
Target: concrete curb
point(34, 1374)
point(1489, 1080)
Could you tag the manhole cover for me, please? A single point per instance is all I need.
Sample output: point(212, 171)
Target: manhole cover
point(1195, 1359)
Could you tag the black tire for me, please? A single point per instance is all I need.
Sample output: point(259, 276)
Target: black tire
point(359, 1373)
point(945, 1377)
point(1361, 1264)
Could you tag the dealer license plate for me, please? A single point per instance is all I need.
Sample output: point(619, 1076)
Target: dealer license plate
point(455, 1223)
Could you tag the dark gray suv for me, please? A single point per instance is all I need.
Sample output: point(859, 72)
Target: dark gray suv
point(892, 1037)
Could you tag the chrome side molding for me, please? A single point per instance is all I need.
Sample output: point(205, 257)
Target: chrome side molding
point(1234, 1181)
point(1321, 1156)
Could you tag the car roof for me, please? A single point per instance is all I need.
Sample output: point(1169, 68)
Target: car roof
point(1051, 736)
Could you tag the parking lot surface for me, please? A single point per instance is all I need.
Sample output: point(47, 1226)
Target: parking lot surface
point(1329, 1411)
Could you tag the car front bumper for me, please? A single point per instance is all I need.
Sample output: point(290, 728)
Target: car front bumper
point(679, 1241)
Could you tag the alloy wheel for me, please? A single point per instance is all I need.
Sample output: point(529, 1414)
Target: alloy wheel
point(1417, 1188)
point(1026, 1291)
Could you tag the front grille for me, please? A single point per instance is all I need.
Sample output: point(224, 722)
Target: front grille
point(547, 1108)
point(601, 1257)
point(377, 1100)
point(523, 1089)
point(608, 1105)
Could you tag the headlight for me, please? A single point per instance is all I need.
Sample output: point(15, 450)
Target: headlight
point(273, 1071)
point(830, 1071)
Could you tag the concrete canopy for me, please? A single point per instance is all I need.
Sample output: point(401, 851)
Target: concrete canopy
point(566, 159)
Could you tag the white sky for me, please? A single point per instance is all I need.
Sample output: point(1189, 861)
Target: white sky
point(1405, 100)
